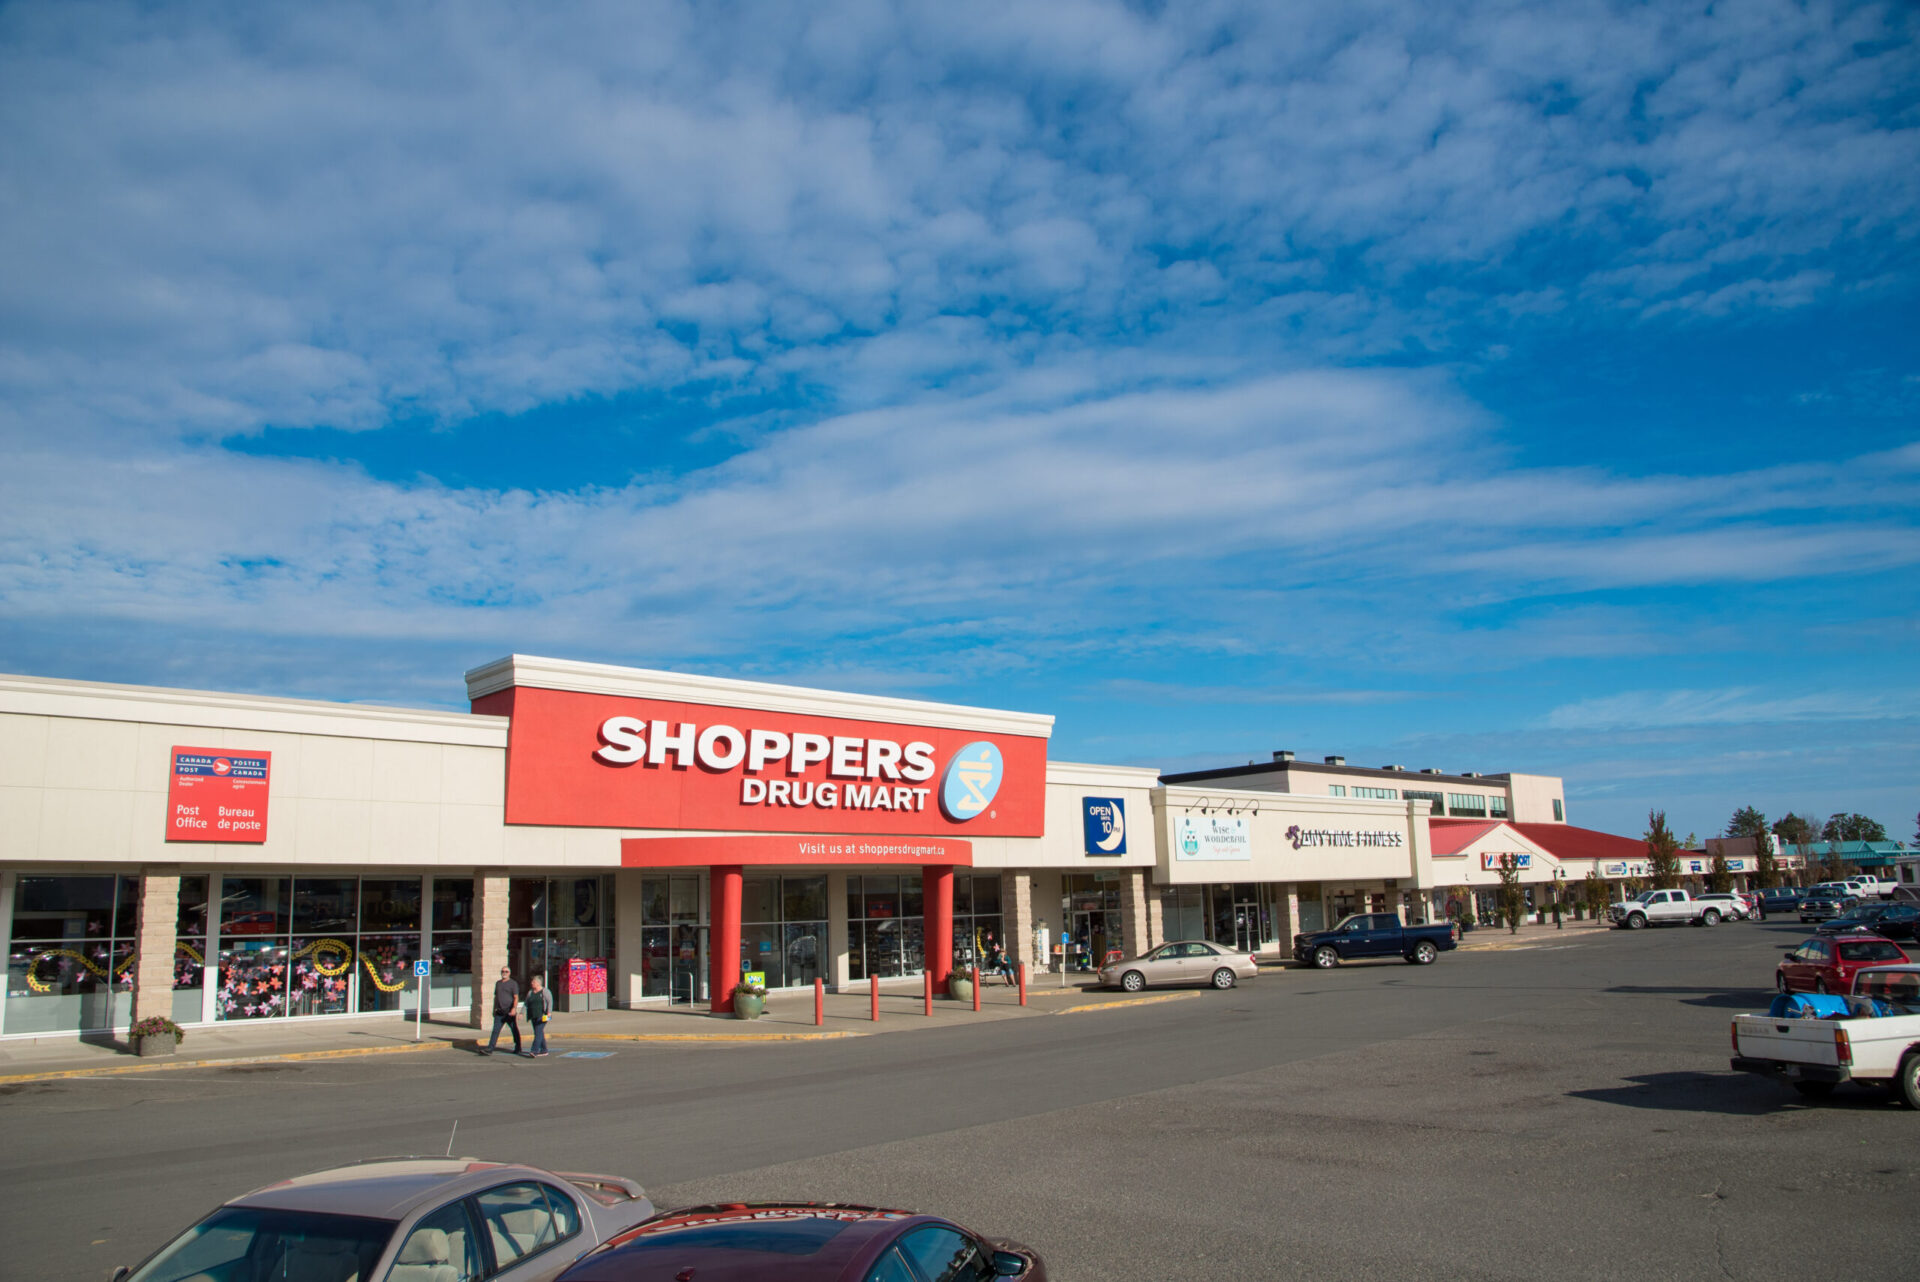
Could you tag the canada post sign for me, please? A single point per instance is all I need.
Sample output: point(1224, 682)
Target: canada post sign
point(216, 794)
point(602, 761)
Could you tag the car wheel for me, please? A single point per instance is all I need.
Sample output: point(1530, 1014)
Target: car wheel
point(1711, 917)
point(1223, 978)
point(1133, 981)
point(1636, 921)
point(1814, 1090)
point(1908, 1081)
point(1423, 953)
point(1780, 984)
point(1325, 957)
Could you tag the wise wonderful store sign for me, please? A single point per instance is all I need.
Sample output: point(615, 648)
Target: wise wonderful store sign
point(605, 761)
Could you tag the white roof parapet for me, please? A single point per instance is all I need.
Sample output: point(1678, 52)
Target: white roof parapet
point(1088, 775)
point(105, 701)
point(685, 687)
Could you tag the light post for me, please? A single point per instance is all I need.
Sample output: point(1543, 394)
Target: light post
point(1559, 895)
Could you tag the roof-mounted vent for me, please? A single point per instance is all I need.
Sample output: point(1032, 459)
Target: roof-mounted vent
point(1470, 774)
point(1401, 769)
point(1283, 755)
point(1429, 770)
point(1336, 761)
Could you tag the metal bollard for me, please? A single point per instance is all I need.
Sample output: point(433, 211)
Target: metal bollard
point(819, 1002)
point(1023, 983)
point(926, 985)
point(873, 989)
point(976, 988)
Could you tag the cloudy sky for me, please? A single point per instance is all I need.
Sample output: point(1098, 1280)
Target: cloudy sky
point(1521, 386)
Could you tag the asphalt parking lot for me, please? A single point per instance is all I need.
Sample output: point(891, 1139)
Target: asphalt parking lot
point(1563, 1111)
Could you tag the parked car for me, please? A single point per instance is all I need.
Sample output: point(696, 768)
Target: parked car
point(408, 1219)
point(1889, 921)
point(1780, 899)
point(805, 1242)
point(1374, 935)
point(1875, 1038)
point(1733, 907)
point(1182, 961)
point(1819, 905)
point(1828, 965)
point(1664, 908)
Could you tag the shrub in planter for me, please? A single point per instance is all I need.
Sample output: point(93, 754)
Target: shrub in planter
point(749, 1000)
point(155, 1035)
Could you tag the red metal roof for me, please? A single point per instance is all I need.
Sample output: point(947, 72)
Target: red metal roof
point(1569, 842)
point(1451, 836)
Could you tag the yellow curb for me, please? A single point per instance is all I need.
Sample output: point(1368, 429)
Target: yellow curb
point(707, 1037)
point(116, 1069)
point(1126, 1001)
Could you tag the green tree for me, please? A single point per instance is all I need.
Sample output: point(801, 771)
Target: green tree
point(1852, 828)
point(1749, 823)
point(1597, 896)
point(1719, 877)
point(1833, 867)
point(1512, 900)
point(1798, 832)
point(1663, 852)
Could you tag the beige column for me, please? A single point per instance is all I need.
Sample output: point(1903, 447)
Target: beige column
point(1287, 903)
point(153, 967)
point(1156, 915)
point(1133, 914)
point(839, 969)
point(1016, 902)
point(490, 951)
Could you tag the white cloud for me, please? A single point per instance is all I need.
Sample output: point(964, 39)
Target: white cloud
point(1651, 709)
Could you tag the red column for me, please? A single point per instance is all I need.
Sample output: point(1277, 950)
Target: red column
point(723, 968)
point(936, 897)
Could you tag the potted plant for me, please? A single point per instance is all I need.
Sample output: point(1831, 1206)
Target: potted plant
point(1466, 921)
point(960, 985)
point(155, 1035)
point(749, 1000)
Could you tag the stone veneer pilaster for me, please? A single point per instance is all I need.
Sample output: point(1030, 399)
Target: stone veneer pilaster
point(1016, 904)
point(159, 915)
point(490, 950)
point(1133, 914)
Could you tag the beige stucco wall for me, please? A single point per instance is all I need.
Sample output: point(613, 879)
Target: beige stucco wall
point(1531, 798)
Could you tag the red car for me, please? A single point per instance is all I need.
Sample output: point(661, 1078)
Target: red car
point(803, 1242)
point(1827, 965)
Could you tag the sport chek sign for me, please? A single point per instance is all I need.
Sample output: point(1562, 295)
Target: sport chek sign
point(217, 794)
point(605, 761)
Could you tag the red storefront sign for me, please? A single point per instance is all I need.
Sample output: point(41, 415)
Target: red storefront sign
point(604, 761)
point(757, 851)
point(218, 794)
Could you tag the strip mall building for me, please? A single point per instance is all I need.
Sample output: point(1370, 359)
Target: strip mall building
point(225, 858)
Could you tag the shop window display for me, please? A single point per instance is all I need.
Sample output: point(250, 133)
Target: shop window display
point(552, 920)
point(782, 928)
point(977, 925)
point(669, 936)
point(452, 955)
point(885, 929)
point(69, 967)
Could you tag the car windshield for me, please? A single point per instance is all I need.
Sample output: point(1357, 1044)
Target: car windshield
point(248, 1244)
point(1871, 950)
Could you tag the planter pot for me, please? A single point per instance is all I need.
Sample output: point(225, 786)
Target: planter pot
point(748, 1006)
point(960, 988)
point(156, 1044)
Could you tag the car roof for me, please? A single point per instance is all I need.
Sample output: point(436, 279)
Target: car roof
point(747, 1241)
point(386, 1188)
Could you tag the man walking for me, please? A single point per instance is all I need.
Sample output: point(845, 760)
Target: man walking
point(506, 998)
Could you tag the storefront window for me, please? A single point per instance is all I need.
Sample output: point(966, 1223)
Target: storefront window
point(1092, 913)
point(551, 921)
point(669, 937)
point(452, 956)
point(68, 966)
point(977, 927)
point(190, 952)
point(782, 928)
point(881, 941)
point(255, 927)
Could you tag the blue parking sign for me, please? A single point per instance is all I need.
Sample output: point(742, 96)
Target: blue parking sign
point(422, 968)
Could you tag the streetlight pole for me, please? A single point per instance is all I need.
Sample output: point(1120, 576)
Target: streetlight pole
point(1559, 897)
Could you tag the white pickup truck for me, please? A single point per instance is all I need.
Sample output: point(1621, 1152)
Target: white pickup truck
point(1872, 1036)
point(1664, 907)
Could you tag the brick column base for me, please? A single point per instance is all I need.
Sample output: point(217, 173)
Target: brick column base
point(489, 940)
point(1016, 908)
point(1133, 914)
point(153, 965)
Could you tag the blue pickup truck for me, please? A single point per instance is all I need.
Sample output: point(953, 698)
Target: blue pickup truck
point(1373, 935)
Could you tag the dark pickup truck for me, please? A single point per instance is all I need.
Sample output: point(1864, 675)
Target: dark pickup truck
point(1373, 935)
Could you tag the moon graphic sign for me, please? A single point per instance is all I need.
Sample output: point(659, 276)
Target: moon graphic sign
point(1106, 825)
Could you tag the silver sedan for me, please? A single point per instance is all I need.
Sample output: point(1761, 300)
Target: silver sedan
point(407, 1219)
point(1181, 961)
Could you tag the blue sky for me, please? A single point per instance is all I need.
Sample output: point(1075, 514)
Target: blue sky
point(1526, 387)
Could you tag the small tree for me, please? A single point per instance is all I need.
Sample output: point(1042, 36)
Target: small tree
point(1512, 901)
point(1833, 867)
point(1720, 878)
point(1663, 852)
point(1750, 823)
point(1597, 895)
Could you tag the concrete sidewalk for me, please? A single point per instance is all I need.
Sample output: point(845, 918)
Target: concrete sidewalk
point(1499, 939)
point(788, 1017)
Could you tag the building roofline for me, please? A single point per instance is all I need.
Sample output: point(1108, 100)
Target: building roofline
point(1315, 767)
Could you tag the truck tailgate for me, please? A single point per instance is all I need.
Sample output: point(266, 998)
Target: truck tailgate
point(1794, 1041)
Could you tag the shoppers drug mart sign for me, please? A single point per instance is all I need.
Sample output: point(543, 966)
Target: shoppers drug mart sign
point(218, 794)
point(603, 761)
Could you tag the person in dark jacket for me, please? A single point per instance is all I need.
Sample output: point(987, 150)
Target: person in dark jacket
point(506, 1002)
point(539, 1009)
